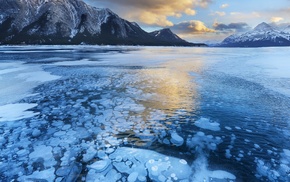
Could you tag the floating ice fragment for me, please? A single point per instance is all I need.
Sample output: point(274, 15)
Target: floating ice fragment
point(133, 177)
point(176, 139)
point(205, 123)
point(219, 174)
point(257, 146)
point(286, 152)
point(45, 175)
point(182, 161)
point(202, 141)
point(66, 127)
point(100, 166)
point(228, 128)
point(36, 132)
point(44, 152)
point(90, 154)
point(238, 128)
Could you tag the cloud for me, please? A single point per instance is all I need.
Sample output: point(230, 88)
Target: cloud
point(232, 27)
point(218, 13)
point(224, 6)
point(151, 12)
point(191, 28)
point(276, 19)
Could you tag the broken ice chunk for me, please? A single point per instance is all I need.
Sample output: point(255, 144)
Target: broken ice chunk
point(100, 166)
point(176, 139)
point(205, 123)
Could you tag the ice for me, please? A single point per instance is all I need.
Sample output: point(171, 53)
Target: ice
point(90, 154)
point(75, 63)
point(176, 139)
point(100, 166)
point(37, 76)
point(158, 166)
point(44, 152)
point(228, 128)
point(257, 146)
point(133, 177)
point(97, 104)
point(206, 123)
point(36, 132)
point(219, 174)
point(13, 112)
point(45, 175)
point(18, 79)
point(201, 141)
point(202, 173)
point(286, 152)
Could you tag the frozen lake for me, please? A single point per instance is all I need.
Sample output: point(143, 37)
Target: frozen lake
point(89, 113)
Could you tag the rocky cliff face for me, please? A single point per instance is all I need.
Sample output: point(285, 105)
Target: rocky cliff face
point(67, 22)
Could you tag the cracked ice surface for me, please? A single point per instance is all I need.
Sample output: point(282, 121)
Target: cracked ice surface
point(109, 114)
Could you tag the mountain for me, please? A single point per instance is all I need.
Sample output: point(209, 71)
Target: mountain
point(261, 36)
point(70, 22)
point(287, 29)
point(167, 35)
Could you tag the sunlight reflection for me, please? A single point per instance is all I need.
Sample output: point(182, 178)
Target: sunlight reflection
point(172, 87)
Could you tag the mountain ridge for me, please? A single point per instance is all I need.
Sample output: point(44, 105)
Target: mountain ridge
point(263, 35)
point(70, 22)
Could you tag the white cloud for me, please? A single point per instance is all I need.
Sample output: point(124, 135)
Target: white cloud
point(224, 6)
point(218, 13)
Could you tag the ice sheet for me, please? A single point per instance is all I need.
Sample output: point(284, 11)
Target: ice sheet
point(12, 112)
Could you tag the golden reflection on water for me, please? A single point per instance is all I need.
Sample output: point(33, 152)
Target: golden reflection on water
point(171, 85)
point(166, 87)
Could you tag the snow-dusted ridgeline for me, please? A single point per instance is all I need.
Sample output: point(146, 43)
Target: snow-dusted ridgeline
point(262, 35)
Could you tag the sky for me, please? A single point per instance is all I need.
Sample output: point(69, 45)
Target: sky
point(206, 21)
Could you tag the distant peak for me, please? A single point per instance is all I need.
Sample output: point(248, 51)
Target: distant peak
point(166, 30)
point(263, 26)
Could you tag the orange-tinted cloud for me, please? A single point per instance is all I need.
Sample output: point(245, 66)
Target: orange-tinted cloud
point(153, 12)
point(276, 19)
point(192, 27)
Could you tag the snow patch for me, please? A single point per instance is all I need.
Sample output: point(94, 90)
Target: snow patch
point(13, 112)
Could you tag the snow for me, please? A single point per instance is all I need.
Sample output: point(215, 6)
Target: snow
point(13, 112)
point(262, 32)
point(37, 76)
point(24, 78)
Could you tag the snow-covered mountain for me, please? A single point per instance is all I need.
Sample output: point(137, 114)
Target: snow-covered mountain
point(262, 35)
point(68, 22)
point(167, 34)
point(287, 29)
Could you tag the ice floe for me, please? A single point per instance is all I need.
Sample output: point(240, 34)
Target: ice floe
point(206, 123)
